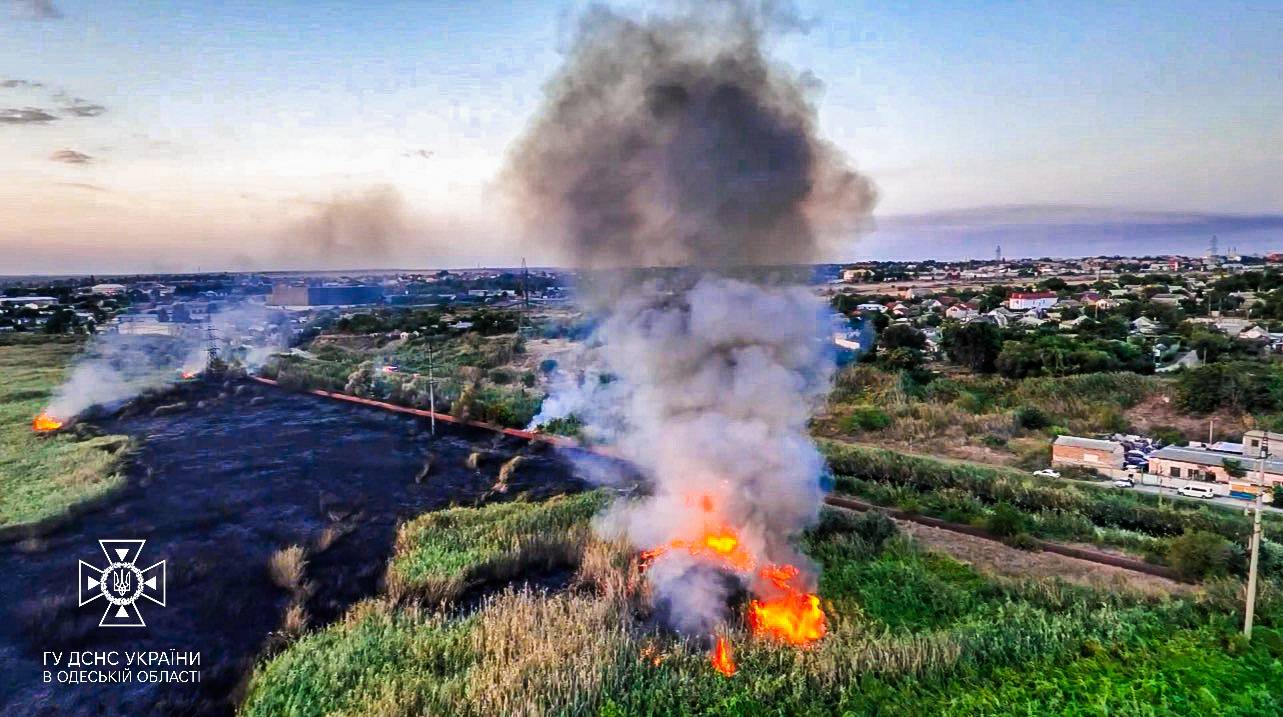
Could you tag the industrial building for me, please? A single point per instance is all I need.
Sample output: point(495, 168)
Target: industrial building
point(287, 295)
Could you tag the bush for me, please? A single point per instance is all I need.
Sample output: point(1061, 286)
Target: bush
point(867, 418)
point(873, 527)
point(975, 402)
point(1199, 554)
point(1005, 521)
point(1030, 418)
point(571, 426)
point(1169, 435)
point(500, 376)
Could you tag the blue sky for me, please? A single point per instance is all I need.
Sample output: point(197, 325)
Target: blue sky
point(225, 125)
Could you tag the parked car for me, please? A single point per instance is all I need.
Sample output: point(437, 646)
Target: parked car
point(1196, 491)
point(1124, 483)
point(1047, 473)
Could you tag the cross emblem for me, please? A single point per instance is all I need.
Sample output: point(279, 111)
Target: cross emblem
point(122, 583)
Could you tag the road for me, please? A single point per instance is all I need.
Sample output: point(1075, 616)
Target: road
point(1234, 503)
point(1228, 503)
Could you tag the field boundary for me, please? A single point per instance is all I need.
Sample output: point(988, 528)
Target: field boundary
point(1094, 556)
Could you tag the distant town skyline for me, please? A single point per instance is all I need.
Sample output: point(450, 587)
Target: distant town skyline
point(140, 137)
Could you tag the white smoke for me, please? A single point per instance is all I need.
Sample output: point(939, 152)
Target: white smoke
point(117, 366)
point(721, 381)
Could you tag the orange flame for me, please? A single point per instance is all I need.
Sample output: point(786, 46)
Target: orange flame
point(721, 544)
point(795, 617)
point(721, 657)
point(648, 556)
point(44, 422)
point(189, 374)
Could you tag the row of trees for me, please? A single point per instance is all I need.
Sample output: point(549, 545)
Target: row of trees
point(986, 348)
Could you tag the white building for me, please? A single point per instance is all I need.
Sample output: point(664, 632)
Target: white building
point(1025, 300)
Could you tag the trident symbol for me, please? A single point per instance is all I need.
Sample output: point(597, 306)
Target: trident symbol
point(120, 582)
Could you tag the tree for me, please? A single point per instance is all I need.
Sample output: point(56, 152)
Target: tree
point(975, 345)
point(1240, 385)
point(903, 336)
point(62, 321)
point(901, 359)
point(1234, 467)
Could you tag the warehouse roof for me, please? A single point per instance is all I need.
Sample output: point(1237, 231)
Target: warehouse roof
point(1093, 443)
point(1208, 458)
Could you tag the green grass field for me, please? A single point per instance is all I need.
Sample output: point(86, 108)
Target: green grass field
point(911, 632)
point(42, 476)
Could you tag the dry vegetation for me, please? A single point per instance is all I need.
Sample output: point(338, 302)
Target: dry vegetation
point(990, 419)
point(287, 567)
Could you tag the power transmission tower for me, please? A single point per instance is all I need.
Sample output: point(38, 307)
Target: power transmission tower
point(213, 362)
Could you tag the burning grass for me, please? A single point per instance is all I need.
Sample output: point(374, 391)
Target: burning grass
point(43, 475)
point(909, 632)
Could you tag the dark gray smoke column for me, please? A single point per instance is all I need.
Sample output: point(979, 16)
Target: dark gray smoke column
point(674, 141)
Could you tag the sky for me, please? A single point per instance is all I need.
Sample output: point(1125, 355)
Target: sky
point(196, 135)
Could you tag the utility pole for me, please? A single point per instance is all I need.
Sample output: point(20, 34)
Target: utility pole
point(1250, 609)
point(432, 391)
point(1211, 422)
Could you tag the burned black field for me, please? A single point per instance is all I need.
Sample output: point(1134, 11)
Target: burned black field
point(216, 491)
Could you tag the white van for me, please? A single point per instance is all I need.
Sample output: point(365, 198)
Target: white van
point(1196, 491)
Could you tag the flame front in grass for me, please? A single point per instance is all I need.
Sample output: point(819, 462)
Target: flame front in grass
point(44, 423)
point(795, 617)
point(721, 657)
point(719, 544)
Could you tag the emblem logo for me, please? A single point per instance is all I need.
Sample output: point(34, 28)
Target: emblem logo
point(122, 583)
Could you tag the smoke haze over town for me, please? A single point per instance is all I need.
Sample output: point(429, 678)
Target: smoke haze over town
point(249, 143)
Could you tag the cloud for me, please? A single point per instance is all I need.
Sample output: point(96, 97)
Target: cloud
point(82, 108)
point(34, 9)
point(423, 153)
point(12, 84)
point(25, 115)
point(71, 156)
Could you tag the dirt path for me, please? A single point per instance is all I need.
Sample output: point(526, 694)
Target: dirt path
point(989, 556)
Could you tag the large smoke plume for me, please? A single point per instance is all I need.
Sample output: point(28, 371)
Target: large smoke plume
point(674, 141)
point(361, 228)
